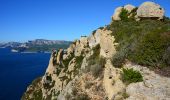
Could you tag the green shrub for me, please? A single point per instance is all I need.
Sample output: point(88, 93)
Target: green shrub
point(82, 96)
point(58, 70)
point(97, 68)
point(54, 55)
point(131, 76)
point(66, 62)
point(151, 49)
point(125, 95)
point(96, 53)
point(166, 56)
point(48, 85)
point(143, 42)
point(37, 95)
point(124, 14)
point(95, 62)
point(119, 58)
point(79, 60)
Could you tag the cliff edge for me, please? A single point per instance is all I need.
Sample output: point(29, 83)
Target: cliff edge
point(126, 60)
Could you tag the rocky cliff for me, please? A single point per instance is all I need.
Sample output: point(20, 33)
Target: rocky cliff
point(88, 69)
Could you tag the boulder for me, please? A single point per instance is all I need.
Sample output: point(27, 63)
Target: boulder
point(150, 10)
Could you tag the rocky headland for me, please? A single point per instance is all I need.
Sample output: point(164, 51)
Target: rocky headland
point(129, 59)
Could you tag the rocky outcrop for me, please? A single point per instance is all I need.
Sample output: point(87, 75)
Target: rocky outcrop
point(60, 56)
point(85, 71)
point(150, 10)
point(153, 87)
point(94, 38)
point(81, 46)
point(113, 85)
point(107, 44)
point(147, 10)
point(118, 10)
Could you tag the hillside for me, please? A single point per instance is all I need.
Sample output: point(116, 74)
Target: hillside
point(129, 59)
point(38, 45)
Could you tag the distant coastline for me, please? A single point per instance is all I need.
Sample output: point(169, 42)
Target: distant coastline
point(36, 46)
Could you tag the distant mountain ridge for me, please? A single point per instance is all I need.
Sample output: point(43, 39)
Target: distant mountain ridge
point(47, 42)
point(36, 45)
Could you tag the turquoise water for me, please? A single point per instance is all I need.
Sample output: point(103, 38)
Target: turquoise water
point(17, 70)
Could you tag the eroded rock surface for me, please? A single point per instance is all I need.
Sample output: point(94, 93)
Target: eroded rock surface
point(85, 71)
point(150, 10)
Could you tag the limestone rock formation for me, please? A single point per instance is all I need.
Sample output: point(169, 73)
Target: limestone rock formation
point(118, 10)
point(85, 71)
point(147, 10)
point(150, 10)
point(154, 86)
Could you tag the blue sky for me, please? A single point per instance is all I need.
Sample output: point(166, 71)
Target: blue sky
point(22, 20)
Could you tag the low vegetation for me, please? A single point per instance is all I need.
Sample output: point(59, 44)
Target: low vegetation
point(97, 68)
point(49, 82)
point(66, 61)
point(128, 16)
point(144, 42)
point(131, 76)
point(34, 90)
point(79, 60)
point(124, 14)
point(95, 62)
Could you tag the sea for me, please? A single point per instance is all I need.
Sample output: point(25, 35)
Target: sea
point(18, 70)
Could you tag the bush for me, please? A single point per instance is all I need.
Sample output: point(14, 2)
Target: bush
point(54, 55)
point(82, 97)
point(119, 58)
point(95, 56)
point(95, 62)
point(38, 95)
point(143, 42)
point(66, 61)
point(151, 49)
point(131, 76)
point(125, 95)
point(79, 60)
point(124, 14)
point(166, 56)
point(97, 68)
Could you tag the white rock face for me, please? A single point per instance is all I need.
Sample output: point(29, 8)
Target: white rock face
point(94, 39)
point(107, 44)
point(154, 86)
point(118, 10)
point(60, 56)
point(129, 7)
point(105, 40)
point(117, 13)
point(150, 9)
point(81, 46)
point(112, 81)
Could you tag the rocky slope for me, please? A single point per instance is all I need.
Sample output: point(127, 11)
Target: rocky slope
point(87, 71)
